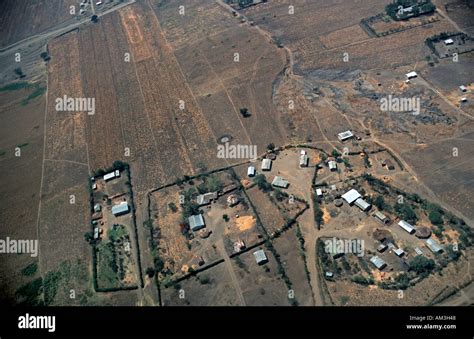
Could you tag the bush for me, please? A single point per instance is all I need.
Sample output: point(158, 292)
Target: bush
point(422, 265)
point(262, 183)
point(30, 270)
point(159, 264)
point(436, 218)
point(150, 272)
point(358, 279)
point(405, 212)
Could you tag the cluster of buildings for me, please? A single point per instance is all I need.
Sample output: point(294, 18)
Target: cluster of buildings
point(117, 210)
point(353, 197)
point(430, 243)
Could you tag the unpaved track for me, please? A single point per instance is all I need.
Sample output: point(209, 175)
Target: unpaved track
point(228, 263)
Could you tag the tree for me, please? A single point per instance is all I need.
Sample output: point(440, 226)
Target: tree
point(45, 56)
point(245, 112)
point(88, 236)
point(271, 146)
point(435, 218)
point(335, 153)
point(404, 211)
point(422, 265)
point(379, 202)
point(159, 264)
point(262, 183)
point(214, 184)
point(150, 271)
point(18, 71)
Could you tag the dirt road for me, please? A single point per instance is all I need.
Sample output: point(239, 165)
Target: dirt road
point(228, 264)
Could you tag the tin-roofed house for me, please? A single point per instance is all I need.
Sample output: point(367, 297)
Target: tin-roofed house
point(280, 182)
point(266, 165)
point(251, 171)
point(260, 257)
point(377, 262)
point(351, 196)
point(381, 217)
point(406, 226)
point(196, 222)
point(304, 160)
point(362, 204)
point(399, 252)
point(120, 209)
point(206, 199)
point(434, 246)
point(345, 135)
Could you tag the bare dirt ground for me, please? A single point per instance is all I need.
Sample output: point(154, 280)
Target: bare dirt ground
point(140, 61)
point(21, 178)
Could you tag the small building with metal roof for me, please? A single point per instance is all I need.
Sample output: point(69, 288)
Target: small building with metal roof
point(280, 182)
point(120, 209)
point(260, 257)
point(381, 217)
point(434, 246)
point(362, 204)
point(196, 222)
point(351, 196)
point(251, 171)
point(406, 226)
point(399, 252)
point(377, 262)
point(266, 164)
point(345, 135)
point(304, 160)
point(206, 198)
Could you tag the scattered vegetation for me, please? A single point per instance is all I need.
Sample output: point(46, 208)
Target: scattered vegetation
point(30, 270)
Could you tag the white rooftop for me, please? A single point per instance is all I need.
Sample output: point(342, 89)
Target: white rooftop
point(406, 226)
point(280, 182)
point(351, 196)
point(411, 75)
point(266, 164)
point(345, 135)
point(362, 204)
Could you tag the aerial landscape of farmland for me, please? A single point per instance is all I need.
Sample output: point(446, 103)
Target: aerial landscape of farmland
point(236, 153)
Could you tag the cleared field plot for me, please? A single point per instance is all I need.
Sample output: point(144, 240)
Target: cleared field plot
point(172, 243)
point(40, 15)
point(343, 37)
point(384, 25)
point(390, 51)
point(213, 287)
point(65, 130)
point(61, 181)
point(221, 83)
point(301, 121)
point(269, 214)
point(200, 20)
point(137, 102)
point(292, 258)
point(22, 126)
point(460, 11)
point(260, 285)
point(310, 17)
point(448, 76)
point(449, 177)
